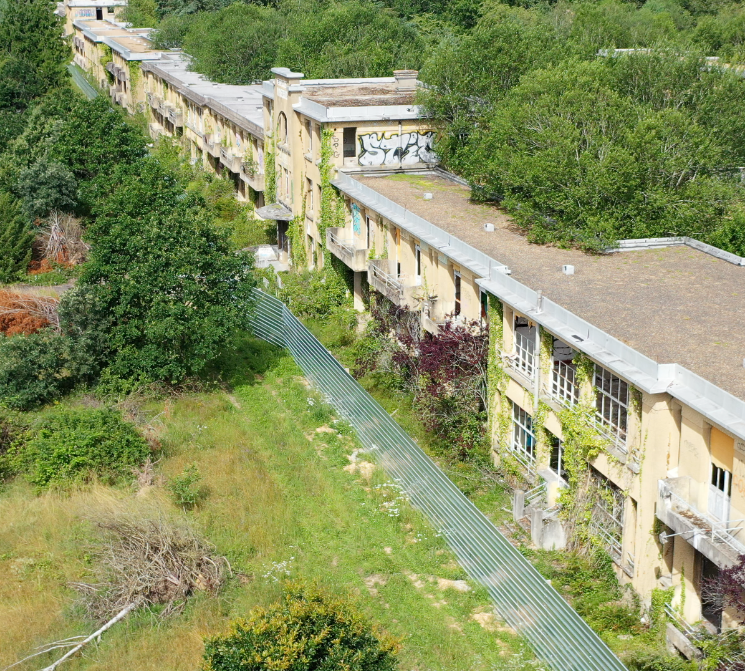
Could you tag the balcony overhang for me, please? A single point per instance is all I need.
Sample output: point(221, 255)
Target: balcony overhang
point(275, 211)
point(699, 530)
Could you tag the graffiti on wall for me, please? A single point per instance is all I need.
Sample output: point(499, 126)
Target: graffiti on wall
point(86, 14)
point(356, 219)
point(392, 148)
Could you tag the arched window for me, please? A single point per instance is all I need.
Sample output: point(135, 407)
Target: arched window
point(282, 127)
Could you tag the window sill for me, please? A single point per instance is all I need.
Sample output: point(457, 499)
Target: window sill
point(308, 157)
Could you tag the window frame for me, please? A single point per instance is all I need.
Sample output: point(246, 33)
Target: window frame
point(523, 442)
point(457, 293)
point(607, 400)
point(349, 149)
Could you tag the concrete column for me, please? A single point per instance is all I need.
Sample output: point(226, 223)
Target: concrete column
point(359, 304)
point(685, 580)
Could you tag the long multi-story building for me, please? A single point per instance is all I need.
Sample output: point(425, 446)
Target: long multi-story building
point(617, 381)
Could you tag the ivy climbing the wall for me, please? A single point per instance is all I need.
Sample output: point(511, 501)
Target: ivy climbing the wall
point(332, 205)
point(270, 173)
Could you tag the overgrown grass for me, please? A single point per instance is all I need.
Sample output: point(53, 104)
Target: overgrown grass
point(283, 499)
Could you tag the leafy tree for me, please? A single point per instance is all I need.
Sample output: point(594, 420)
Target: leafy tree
point(30, 32)
point(306, 631)
point(141, 13)
point(46, 186)
point(168, 279)
point(15, 240)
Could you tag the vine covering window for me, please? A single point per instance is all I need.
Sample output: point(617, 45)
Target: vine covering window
point(612, 403)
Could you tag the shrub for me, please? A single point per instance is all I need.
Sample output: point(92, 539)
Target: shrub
point(15, 240)
point(185, 488)
point(306, 631)
point(657, 661)
point(36, 369)
point(71, 445)
point(314, 293)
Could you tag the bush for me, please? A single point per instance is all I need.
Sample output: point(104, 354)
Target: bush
point(36, 369)
point(71, 445)
point(314, 293)
point(185, 488)
point(658, 661)
point(306, 631)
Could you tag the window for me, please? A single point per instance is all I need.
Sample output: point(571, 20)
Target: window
point(282, 127)
point(418, 260)
point(612, 403)
point(556, 460)
point(350, 142)
point(524, 359)
point(309, 191)
point(523, 439)
point(309, 131)
point(564, 374)
point(484, 303)
point(369, 233)
point(607, 514)
point(109, 10)
point(720, 492)
point(456, 278)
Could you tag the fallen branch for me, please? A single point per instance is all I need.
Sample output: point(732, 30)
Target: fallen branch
point(119, 616)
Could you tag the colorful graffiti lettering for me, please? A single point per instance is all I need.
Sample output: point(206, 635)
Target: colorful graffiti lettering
point(356, 219)
point(392, 149)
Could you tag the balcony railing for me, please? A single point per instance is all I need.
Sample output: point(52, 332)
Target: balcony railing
point(152, 100)
point(212, 145)
point(564, 383)
point(715, 539)
point(194, 128)
point(230, 160)
point(110, 67)
point(340, 243)
point(381, 279)
point(176, 116)
point(156, 130)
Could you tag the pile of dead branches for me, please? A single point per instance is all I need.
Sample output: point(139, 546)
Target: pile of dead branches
point(149, 562)
point(61, 239)
point(27, 312)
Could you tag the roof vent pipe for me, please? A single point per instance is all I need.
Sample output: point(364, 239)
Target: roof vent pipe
point(405, 79)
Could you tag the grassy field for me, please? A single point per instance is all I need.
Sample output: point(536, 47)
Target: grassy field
point(287, 496)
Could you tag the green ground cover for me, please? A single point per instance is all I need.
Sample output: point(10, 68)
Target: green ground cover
point(283, 498)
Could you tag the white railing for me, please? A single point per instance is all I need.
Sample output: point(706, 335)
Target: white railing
point(344, 245)
point(386, 283)
point(524, 359)
point(564, 383)
point(537, 494)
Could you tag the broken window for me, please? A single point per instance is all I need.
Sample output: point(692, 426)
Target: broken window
point(564, 374)
point(607, 514)
point(720, 492)
point(484, 302)
point(523, 438)
point(524, 335)
point(611, 403)
point(350, 142)
point(556, 460)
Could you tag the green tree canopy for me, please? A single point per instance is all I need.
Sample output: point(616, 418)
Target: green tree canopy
point(15, 240)
point(166, 277)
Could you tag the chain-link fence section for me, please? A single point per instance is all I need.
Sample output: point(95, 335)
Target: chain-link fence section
point(521, 595)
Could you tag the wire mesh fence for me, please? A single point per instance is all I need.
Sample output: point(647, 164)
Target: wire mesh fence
point(521, 595)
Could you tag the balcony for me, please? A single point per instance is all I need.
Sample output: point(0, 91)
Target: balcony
point(194, 128)
point(380, 275)
point(340, 243)
point(230, 160)
point(162, 107)
point(176, 116)
point(152, 100)
point(714, 539)
point(112, 91)
point(110, 67)
point(212, 145)
point(156, 130)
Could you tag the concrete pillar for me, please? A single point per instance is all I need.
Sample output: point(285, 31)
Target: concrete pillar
point(536, 526)
point(359, 304)
point(685, 580)
point(518, 504)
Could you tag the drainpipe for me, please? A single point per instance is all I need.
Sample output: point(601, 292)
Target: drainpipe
point(537, 364)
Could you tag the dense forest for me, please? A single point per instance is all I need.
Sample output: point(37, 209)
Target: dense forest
point(583, 145)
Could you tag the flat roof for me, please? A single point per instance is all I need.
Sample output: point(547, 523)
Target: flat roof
point(242, 104)
point(361, 94)
point(673, 304)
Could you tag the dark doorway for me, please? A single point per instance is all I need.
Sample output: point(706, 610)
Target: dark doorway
point(99, 14)
point(711, 596)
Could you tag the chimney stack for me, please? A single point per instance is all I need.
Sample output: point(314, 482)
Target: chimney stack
point(405, 79)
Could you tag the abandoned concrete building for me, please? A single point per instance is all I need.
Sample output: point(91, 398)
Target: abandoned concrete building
point(631, 343)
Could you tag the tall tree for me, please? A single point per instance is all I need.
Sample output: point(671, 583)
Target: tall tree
point(15, 239)
point(30, 31)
